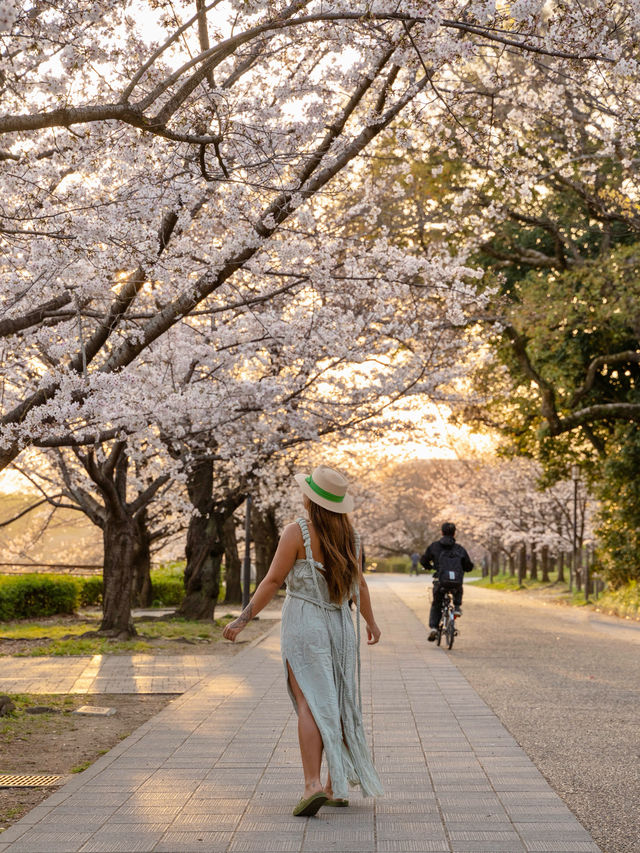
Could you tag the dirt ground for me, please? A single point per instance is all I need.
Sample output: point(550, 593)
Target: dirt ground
point(59, 742)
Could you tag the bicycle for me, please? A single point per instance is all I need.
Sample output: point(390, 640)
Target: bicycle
point(447, 623)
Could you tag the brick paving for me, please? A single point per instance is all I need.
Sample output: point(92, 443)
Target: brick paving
point(218, 769)
point(104, 673)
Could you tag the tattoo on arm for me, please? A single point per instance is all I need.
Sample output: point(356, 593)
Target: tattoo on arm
point(244, 617)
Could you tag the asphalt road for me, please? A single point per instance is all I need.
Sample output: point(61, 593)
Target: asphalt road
point(566, 684)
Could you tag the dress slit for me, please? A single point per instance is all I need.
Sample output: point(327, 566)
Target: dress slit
point(290, 672)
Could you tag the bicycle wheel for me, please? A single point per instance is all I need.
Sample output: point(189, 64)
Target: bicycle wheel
point(451, 630)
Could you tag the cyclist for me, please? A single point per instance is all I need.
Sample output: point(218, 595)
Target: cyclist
point(448, 561)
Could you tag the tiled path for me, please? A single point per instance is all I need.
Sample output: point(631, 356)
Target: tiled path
point(105, 673)
point(218, 769)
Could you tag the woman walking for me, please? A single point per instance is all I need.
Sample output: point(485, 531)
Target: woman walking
point(320, 558)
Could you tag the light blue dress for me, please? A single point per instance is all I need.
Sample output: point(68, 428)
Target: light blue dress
point(321, 646)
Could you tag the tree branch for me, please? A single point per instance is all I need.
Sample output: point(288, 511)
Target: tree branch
point(81, 440)
point(547, 393)
point(148, 494)
point(14, 325)
point(203, 36)
point(597, 412)
point(531, 257)
point(596, 364)
point(119, 307)
point(277, 212)
point(68, 116)
point(113, 459)
point(30, 509)
point(134, 114)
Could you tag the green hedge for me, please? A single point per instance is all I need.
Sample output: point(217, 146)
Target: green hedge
point(89, 591)
point(166, 591)
point(32, 596)
point(398, 565)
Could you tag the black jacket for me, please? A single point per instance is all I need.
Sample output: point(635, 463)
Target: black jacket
point(431, 556)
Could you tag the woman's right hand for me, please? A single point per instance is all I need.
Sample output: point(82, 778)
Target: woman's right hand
point(373, 634)
point(232, 630)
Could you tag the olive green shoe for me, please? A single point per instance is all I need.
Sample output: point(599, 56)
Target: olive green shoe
point(338, 804)
point(310, 805)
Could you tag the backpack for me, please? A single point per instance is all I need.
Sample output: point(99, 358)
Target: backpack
point(450, 568)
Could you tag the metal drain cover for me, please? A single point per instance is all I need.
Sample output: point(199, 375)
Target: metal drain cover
point(20, 780)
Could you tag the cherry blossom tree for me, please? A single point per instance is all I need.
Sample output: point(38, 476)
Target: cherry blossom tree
point(153, 163)
point(498, 505)
point(176, 270)
point(130, 496)
point(399, 503)
point(217, 419)
point(508, 511)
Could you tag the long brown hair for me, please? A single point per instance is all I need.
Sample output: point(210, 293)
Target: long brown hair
point(338, 542)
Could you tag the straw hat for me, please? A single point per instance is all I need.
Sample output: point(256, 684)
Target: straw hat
point(327, 488)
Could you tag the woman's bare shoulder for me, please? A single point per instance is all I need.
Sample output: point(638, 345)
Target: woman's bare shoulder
point(291, 537)
point(291, 532)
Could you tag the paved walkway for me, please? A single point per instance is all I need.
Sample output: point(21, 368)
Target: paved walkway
point(105, 673)
point(218, 769)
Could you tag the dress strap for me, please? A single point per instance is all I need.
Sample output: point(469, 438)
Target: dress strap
point(306, 538)
point(357, 597)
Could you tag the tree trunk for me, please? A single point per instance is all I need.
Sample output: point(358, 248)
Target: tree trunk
point(545, 563)
point(534, 563)
point(204, 548)
point(561, 567)
point(265, 539)
point(512, 565)
point(494, 565)
point(142, 595)
point(577, 569)
point(232, 563)
point(204, 552)
point(522, 564)
point(119, 537)
point(205, 542)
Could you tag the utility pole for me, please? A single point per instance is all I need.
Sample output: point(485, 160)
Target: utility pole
point(246, 568)
point(575, 476)
point(588, 554)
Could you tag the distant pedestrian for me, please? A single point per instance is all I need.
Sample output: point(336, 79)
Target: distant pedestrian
point(448, 561)
point(415, 562)
point(320, 558)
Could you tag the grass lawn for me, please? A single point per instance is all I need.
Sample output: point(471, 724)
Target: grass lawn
point(507, 582)
point(61, 636)
point(624, 602)
point(547, 589)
